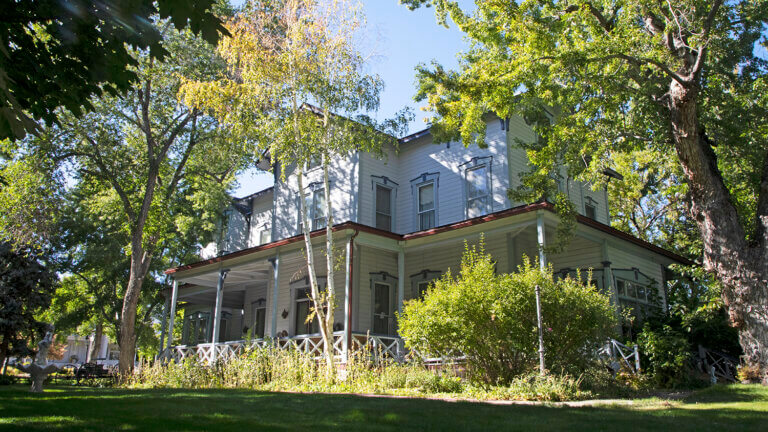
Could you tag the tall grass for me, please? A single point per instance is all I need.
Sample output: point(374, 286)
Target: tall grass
point(274, 369)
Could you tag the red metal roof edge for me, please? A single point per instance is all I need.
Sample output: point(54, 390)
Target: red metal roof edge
point(458, 225)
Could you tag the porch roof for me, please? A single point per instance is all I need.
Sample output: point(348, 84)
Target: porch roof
point(267, 250)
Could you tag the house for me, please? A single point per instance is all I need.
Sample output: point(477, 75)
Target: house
point(402, 221)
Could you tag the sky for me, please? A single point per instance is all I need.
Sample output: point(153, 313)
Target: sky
point(400, 39)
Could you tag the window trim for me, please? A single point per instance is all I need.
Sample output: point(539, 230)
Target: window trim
point(475, 163)
point(421, 277)
point(309, 192)
point(384, 182)
point(257, 305)
point(417, 183)
point(590, 202)
point(300, 285)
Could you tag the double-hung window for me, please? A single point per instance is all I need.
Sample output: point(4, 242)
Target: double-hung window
point(383, 207)
point(478, 193)
point(426, 206)
point(303, 310)
point(590, 208)
point(318, 209)
point(477, 186)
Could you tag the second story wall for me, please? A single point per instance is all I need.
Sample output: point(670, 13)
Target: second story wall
point(344, 187)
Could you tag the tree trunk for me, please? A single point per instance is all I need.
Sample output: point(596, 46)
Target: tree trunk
point(127, 339)
point(96, 347)
point(727, 254)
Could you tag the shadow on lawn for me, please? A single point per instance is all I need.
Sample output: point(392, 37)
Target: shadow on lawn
point(66, 408)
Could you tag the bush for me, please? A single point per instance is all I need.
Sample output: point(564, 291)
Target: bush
point(491, 319)
point(665, 356)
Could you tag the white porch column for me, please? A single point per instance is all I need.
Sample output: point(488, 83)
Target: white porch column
point(541, 240)
point(174, 295)
point(347, 299)
point(275, 290)
point(217, 311)
point(400, 294)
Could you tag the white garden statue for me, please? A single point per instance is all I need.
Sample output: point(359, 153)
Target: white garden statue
point(39, 369)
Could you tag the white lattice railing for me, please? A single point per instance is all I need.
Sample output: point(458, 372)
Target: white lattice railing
point(378, 346)
point(621, 356)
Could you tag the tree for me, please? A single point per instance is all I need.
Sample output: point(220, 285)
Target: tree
point(60, 54)
point(491, 319)
point(683, 79)
point(281, 55)
point(26, 286)
point(149, 167)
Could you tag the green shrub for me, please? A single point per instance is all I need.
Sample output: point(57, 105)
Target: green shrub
point(491, 319)
point(665, 356)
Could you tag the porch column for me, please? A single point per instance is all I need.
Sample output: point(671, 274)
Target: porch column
point(400, 294)
point(347, 300)
point(541, 240)
point(163, 325)
point(217, 311)
point(275, 278)
point(174, 294)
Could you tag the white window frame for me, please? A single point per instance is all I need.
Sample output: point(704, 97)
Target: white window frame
point(425, 179)
point(258, 305)
point(384, 182)
point(265, 230)
point(476, 163)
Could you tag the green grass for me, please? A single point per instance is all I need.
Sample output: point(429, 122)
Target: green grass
point(722, 408)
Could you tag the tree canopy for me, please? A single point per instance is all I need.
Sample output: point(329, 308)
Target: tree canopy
point(684, 80)
point(61, 53)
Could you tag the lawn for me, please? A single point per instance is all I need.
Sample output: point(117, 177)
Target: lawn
point(722, 408)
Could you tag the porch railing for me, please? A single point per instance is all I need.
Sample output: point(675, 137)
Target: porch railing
point(621, 356)
point(377, 346)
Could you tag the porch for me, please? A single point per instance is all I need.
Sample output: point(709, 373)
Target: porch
point(260, 294)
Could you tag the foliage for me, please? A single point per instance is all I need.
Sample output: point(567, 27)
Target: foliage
point(673, 91)
point(282, 56)
point(491, 319)
point(149, 177)
point(26, 286)
point(60, 54)
point(665, 356)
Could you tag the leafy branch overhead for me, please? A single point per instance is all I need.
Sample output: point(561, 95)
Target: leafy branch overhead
point(60, 54)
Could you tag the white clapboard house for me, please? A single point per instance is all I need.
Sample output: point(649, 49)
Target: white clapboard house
point(402, 221)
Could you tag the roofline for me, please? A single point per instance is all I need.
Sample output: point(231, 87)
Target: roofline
point(542, 205)
point(416, 135)
point(254, 195)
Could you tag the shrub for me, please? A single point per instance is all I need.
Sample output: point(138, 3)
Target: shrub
point(491, 319)
point(665, 357)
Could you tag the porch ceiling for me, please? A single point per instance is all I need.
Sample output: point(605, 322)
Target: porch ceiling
point(232, 299)
point(252, 273)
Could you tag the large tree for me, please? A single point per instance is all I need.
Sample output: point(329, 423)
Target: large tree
point(149, 167)
point(26, 287)
point(684, 79)
point(61, 53)
point(281, 55)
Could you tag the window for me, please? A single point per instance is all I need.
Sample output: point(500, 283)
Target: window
point(318, 209)
point(315, 205)
point(421, 281)
point(478, 192)
point(382, 308)
point(259, 318)
point(196, 328)
point(303, 310)
point(590, 208)
point(426, 206)
point(265, 236)
point(383, 207)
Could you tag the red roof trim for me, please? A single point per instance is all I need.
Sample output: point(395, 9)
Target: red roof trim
point(454, 226)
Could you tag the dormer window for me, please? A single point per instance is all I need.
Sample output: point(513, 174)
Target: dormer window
point(477, 186)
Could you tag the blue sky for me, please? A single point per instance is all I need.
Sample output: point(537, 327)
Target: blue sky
point(400, 39)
